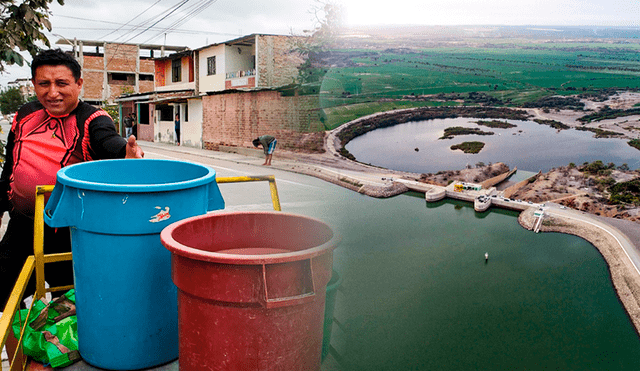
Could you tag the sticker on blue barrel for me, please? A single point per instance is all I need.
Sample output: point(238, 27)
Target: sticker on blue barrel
point(161, 215)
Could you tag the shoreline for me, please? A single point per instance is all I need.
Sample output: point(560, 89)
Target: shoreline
point(370, 180)
point(623, 273)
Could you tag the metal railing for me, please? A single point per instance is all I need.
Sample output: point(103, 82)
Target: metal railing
point(37, 261)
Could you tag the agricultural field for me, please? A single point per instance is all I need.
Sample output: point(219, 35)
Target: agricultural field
point(375, 77)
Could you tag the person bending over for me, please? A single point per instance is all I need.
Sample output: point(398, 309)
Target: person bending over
point(268, 145)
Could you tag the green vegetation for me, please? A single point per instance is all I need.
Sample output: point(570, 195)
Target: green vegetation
point(619, 193)
point(22, 27)
point(336, 116)
point(553, 123)
point(571, 103)
point(114, 112)
point(424, 114)
point(625, 193)
point(515, 74)
point(469, 147)
point(607, 113)
point(525, 74)
point(635, 143)
point(449, 133)
point(496, 124)
point(597, 168)
point(10, 100)
point(600, 133)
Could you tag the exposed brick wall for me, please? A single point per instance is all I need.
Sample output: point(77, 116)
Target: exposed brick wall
point(147, 65)
point(121, 57)
point(92, 85)
point(235, 119)
point(145, 86)
point(92, 62)
point(250, 83)
point(277, 64)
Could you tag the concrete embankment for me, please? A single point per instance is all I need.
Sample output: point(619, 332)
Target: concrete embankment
point(497, 179)
point(514, 188)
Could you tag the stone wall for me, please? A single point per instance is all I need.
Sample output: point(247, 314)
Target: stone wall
point(235, 119)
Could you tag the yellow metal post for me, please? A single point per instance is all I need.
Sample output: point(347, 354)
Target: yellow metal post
point(15, 298)
point(38, 239)
point(275, 199)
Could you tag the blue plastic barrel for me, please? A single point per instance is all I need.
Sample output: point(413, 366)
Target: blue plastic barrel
point(125, 300)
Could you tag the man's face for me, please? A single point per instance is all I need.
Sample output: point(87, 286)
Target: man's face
point(56, 89)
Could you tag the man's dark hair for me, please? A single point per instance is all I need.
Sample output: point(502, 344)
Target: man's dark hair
point(56, 57)
point(256, 142)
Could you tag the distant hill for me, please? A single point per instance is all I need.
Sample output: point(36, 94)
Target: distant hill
point(529, 32)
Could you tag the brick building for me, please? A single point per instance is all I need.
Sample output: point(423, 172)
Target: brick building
point(112, 69)
point(226, 94)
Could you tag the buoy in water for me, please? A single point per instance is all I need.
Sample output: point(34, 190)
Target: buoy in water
point(486, 256)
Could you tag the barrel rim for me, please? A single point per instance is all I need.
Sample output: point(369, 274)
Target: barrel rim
point(63, 178)
point(175, 247)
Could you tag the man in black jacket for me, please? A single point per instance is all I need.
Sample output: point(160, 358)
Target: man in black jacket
point(56, 131)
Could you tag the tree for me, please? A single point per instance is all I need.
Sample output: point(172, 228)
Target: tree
point(10, 100)
point(328, 23)
point(21, 26)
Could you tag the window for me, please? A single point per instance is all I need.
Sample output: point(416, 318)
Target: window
point(118, 76)
point(145, 77)
point(165, 112)
point(143, 118)
point(121, 78)
point(186, 113)
point(176, 70)
point(211, 65)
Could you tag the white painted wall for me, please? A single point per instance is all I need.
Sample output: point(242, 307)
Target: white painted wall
point(177, 86)
point(212, 82)
point(191, 132)
point(163, 131)
point(239, 58)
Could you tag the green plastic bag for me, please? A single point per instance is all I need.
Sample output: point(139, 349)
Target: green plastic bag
point(51, 336)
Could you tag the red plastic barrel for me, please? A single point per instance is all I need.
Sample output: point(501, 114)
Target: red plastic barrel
point(251, 289)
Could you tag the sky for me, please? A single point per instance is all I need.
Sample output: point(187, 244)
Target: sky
point(196, 23)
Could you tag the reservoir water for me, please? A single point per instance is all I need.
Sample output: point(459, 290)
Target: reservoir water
point(418, 295)
point(529, 146)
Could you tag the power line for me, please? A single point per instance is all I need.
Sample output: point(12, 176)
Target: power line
point(178, 6)
point(131, 20)
point(177, 30)
point(195, 10)
point(173, 28)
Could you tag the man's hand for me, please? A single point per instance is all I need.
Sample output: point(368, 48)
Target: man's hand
point(133, 150)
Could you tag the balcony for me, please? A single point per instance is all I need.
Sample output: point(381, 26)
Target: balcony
point(238, 74)
point(240, 79)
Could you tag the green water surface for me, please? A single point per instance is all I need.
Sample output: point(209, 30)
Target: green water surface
point(417, 293)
